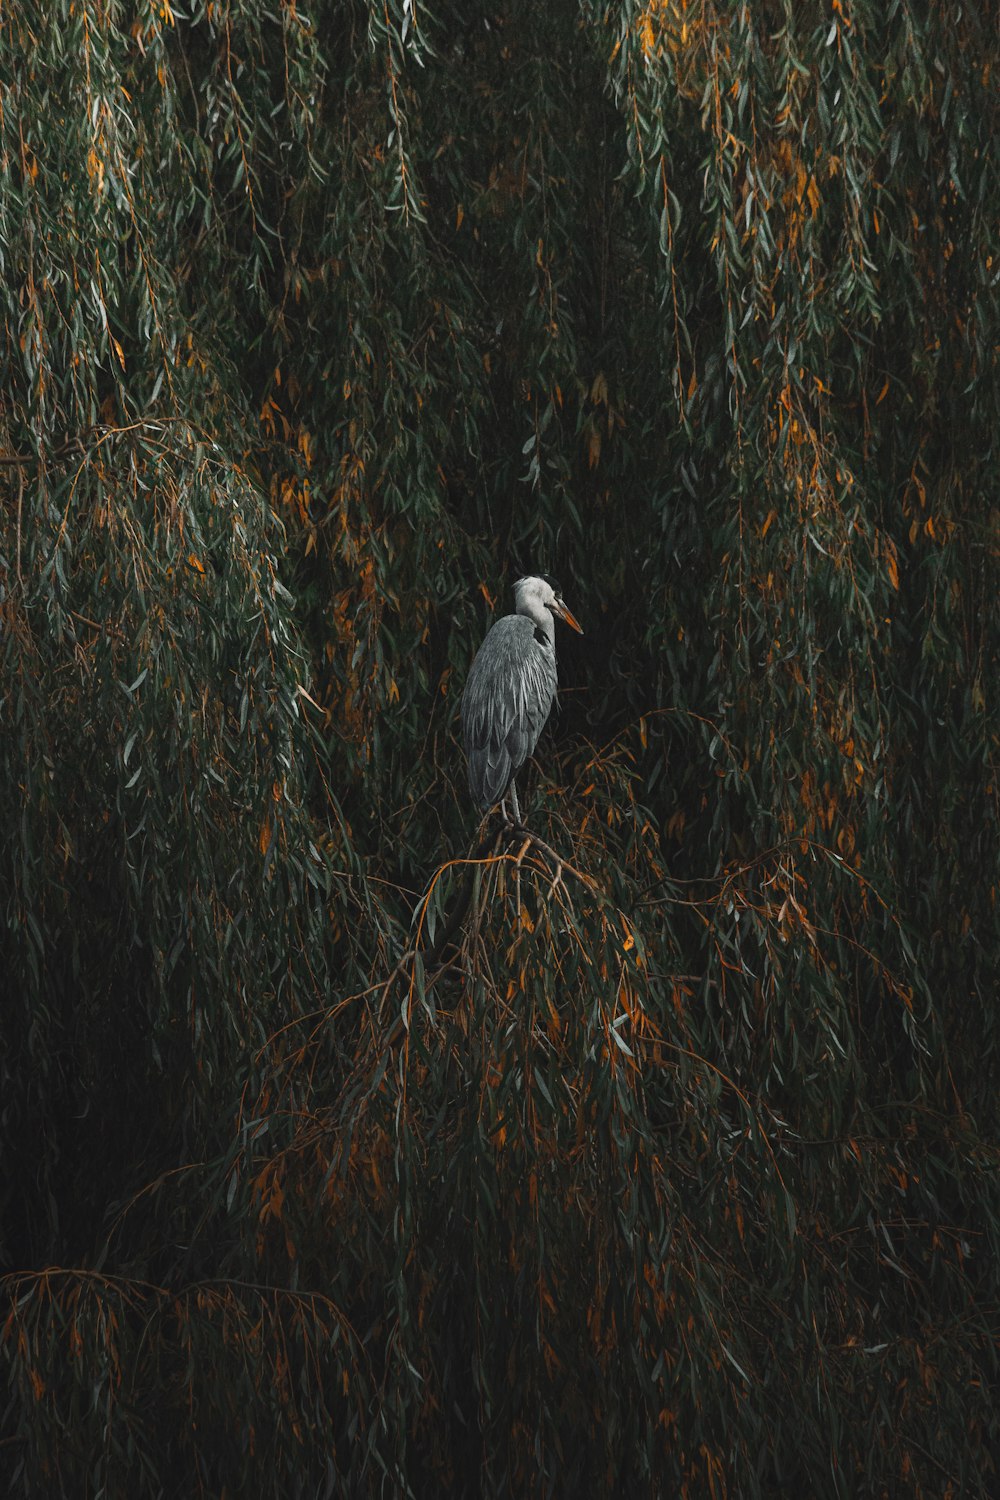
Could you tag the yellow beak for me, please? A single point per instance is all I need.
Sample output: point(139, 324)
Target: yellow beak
point(560, 609)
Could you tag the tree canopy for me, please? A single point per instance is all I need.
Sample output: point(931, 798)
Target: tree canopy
point(675, 1172)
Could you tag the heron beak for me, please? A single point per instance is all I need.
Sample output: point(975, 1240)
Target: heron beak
point(560, 609)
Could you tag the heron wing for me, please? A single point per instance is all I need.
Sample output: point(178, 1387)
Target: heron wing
point(505, 705)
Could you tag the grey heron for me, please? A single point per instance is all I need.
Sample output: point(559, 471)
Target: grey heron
point(510, 690)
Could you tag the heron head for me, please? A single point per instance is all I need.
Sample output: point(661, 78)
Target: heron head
point(540, 592)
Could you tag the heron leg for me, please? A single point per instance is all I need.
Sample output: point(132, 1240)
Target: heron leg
point(513, 803)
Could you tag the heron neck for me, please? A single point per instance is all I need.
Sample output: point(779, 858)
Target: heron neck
point(539, 616)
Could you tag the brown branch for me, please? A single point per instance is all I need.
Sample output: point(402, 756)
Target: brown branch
point(20, 507)
point(22, 460)
point(556, 859)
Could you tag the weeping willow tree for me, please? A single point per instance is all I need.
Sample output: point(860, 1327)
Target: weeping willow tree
point(673, 1170)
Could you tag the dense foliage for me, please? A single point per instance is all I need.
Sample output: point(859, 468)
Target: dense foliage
point(321, 323)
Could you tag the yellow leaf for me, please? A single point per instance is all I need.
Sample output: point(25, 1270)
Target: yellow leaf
point(812, 193)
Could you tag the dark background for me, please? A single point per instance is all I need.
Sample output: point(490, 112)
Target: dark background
point(321, 323)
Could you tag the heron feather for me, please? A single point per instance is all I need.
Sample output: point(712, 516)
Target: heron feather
point(507, 699)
